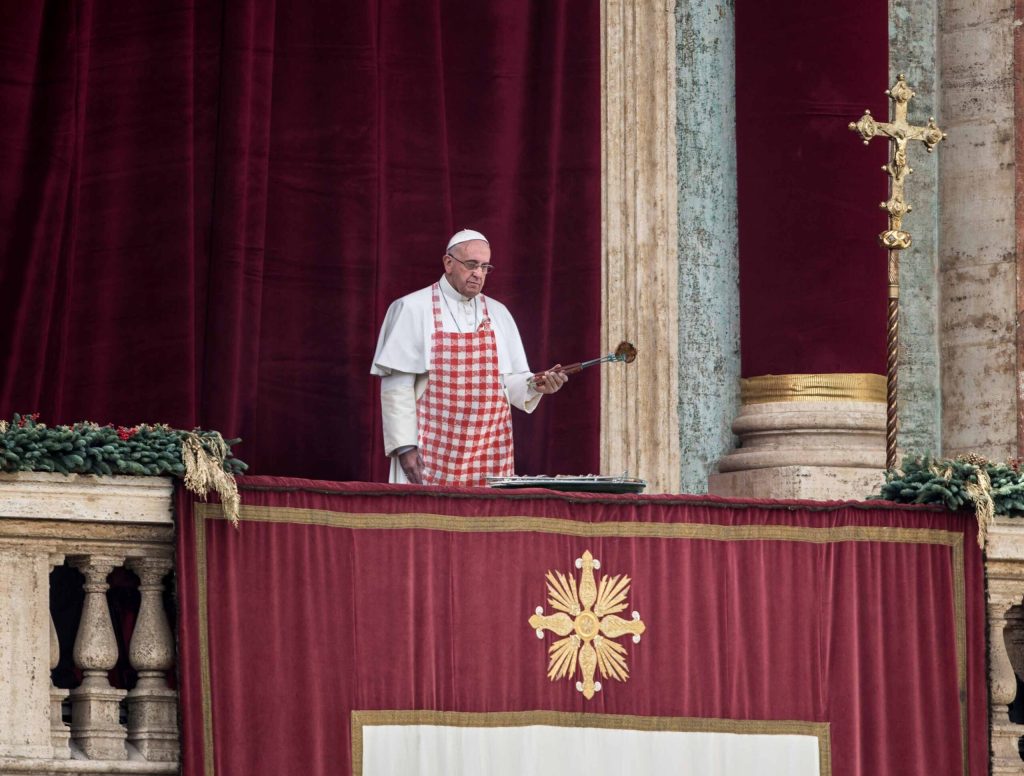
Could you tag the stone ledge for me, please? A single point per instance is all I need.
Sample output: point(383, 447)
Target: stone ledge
point(818, 483)
point(86, 498)
point(1005, 545)
point(17, 765)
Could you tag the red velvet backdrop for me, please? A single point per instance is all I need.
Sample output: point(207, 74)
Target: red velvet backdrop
point(206, 208)
point(812, 277)
point(332, 597)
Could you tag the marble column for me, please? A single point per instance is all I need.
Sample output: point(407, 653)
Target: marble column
point(978, 268)
point(639, 287)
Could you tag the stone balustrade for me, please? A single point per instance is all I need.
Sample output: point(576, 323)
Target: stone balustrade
point(94, 525)
point(1004, 568)
point(98, 525)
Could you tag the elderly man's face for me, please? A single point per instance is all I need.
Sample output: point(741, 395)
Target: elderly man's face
point(468, 282)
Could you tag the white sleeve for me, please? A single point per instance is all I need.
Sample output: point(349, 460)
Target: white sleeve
point(520, 394)
point(398, 410)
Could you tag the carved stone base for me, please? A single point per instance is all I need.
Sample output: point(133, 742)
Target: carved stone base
point(814, 483)
point(805, 449)
point(153, 723)
point(95, 720)
point(60, 734)
point(1006, 742)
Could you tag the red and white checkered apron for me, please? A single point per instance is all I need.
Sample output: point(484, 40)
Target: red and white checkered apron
point(465, 424)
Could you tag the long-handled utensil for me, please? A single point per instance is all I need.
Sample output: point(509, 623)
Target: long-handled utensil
point(625, 352)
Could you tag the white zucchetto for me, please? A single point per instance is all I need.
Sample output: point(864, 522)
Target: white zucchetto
point(465, 236)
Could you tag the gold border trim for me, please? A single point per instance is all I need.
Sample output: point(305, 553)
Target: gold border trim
point(563, 527)
point(361, 719)
point(204, 641)
point(836, 386)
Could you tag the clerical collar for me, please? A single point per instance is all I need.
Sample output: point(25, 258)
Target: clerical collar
point(449, 290)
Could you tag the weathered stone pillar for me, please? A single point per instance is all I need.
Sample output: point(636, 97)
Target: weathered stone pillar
point(978, 264)
point(709, 297)
point(95, 713)
point(60, 733)
point(152, 706)
point(639, 288)
point(24, 651)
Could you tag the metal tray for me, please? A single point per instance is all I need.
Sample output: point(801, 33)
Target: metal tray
point(576, 483)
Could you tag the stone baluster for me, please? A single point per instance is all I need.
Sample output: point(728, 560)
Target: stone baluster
point(95, 711)
point(60, 734)
point(1004, 598)
point(152, 706)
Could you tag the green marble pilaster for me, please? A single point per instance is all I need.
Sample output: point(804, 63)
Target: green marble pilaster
point(709, 309)
point(912, 51)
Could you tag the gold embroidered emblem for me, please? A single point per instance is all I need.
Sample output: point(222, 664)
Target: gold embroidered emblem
point(588, 623)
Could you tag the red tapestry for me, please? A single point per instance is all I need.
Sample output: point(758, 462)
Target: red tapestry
point(864, 622)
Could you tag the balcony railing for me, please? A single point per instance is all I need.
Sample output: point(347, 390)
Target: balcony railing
point(99, 530)
point(102, 527)
point(1004, 569)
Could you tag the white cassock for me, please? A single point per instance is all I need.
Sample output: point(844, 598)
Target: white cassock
point(402, 360)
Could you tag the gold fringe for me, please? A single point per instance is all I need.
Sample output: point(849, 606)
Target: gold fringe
point(205, 471)
point(984, 506)
point(3, 426)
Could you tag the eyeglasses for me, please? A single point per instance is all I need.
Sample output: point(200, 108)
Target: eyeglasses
point(472, 265)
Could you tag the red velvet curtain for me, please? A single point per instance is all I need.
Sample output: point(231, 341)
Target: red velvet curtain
point(812, 277)
point(206, 209)
point(333, 597)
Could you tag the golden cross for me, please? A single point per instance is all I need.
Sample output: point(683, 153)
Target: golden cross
point(894, 239)
point(899, 133)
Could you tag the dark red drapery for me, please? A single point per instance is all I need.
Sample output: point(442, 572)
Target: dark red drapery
point(812, 277)
point(206, 208)
point(333, 597)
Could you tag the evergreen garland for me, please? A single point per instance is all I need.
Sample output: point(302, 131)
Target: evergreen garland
point(89, 448)
point(968, 482)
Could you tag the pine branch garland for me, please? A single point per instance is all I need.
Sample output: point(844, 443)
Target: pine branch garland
point(155, 450)
point(967, 482)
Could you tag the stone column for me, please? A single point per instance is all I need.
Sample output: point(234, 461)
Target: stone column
point(639, 287)
point(709, 297)
point(977, 238)
point(24, 651)
point(60, 734)
point(95, 714)
point(152, 706)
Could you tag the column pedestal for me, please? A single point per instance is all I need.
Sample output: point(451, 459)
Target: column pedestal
point(818, 437)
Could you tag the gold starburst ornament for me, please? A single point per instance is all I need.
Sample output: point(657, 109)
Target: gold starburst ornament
point(588, 622)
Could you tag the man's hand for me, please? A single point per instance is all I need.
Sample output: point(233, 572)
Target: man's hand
point(412, 464)
point(551, 380)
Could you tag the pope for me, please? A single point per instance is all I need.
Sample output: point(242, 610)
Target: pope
point(451, 365)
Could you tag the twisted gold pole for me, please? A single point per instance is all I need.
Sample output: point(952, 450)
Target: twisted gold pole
point(891, 381)
point(894, 239)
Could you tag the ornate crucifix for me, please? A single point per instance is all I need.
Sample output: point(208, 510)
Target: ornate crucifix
point(894, 239)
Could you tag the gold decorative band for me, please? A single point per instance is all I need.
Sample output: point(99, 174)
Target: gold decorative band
point(853, 386)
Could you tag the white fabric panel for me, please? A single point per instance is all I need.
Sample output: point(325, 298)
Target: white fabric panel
point(542, 750)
